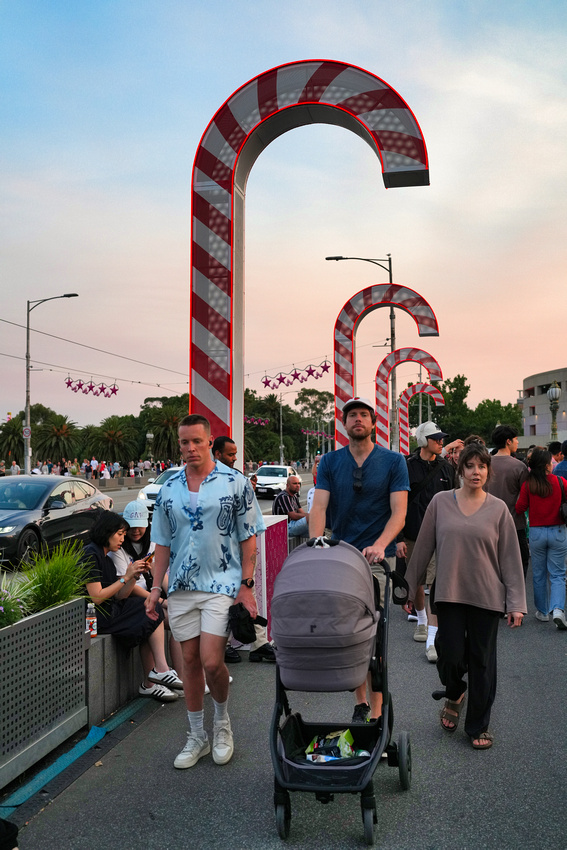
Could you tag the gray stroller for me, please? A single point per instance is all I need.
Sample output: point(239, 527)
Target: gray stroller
point(329, 630)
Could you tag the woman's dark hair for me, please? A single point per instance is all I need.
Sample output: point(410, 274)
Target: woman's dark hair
point(474, 450)
point(474, 438)
point(106, 525)
point(538, 482)
point(144, 542)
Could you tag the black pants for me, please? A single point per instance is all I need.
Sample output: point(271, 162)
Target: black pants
point(466, 643)
point(524, 548)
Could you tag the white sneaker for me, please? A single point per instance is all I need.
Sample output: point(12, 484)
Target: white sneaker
point(207, 691)
point(420, 634)
point(169, 678)
point(223, 742)
point(194, 749)
point(159, 692)
point(543, 618)
point(559, 618)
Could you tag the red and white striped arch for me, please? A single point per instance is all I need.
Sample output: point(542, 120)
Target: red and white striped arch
point(311, 92)
point(403, 406)
point(401, 355)
point(360, 305)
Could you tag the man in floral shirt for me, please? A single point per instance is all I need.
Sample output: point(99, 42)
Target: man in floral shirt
point(204, 526)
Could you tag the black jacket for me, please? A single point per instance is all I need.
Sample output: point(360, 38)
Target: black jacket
point(419, 499)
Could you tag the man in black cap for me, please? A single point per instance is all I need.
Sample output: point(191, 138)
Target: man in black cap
point(362, 488)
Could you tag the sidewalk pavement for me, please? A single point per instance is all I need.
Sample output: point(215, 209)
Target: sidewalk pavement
point(127, 795)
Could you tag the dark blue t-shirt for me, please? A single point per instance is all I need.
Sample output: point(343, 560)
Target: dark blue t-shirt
point(359, 503)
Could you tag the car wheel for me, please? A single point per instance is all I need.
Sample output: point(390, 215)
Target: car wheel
point(29, 545)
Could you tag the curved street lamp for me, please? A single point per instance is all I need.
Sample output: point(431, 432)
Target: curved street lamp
point(393, 383)
point(31, 305)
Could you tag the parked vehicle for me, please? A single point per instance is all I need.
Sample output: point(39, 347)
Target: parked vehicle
point(154, 485)
point(39, 511)
point(272, 479)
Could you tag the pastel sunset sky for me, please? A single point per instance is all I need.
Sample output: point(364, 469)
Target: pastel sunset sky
point(102, 106)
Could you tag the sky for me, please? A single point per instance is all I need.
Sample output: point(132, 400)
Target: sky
point(102, 106)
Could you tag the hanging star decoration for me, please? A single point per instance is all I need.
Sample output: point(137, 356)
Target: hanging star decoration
point(254, 420)
point(95, 389)
point(272, 382)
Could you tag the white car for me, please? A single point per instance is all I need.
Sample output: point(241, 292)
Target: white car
point(272, 479)
point(148, 494)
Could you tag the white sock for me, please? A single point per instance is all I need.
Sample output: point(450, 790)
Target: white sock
point(431, 632)
point(421, 617)
point(221, 711)
point(196, 726)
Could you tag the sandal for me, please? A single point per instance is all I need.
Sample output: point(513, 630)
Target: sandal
point(453, 718)
point(484, 736)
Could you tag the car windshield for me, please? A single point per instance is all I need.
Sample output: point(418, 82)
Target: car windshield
point(21, 495)
point(163, 476)
point(272, 472)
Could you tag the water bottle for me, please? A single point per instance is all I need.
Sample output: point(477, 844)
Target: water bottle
point(91, 619)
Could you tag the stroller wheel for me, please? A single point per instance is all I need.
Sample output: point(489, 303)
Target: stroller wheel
point(368, 821)
point(404, 760)
point(283, 819)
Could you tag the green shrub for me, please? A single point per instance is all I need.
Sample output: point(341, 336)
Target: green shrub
point(54, 578)
point(12, 601)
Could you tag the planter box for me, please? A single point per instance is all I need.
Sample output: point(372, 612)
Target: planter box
point(42, 686)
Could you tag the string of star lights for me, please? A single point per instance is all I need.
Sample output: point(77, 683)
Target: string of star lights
point(255, 420)
point(89, 387)
point(288, 378)
point(317, 434)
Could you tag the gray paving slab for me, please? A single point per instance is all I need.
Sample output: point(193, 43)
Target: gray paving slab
point(512, 796)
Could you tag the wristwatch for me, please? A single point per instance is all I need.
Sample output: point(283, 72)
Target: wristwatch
point(249, 582)
point(122, 580)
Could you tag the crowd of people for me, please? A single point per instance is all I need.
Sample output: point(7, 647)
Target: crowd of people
point(92, 468)
point(451, 518)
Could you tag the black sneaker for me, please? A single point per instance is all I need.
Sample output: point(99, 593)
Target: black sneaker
point(263, 653)
point(360, 713)
point(231, 656)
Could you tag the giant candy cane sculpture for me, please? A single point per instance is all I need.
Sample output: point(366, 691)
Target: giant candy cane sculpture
point(408, 393)
point(401, 355)
point(346, 325)
point(311, 92)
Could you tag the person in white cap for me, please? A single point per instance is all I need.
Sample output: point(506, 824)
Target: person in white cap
point(429, 474)
point(138, 549)
point(363, 488)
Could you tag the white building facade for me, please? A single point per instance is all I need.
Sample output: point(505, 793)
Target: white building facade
point(536, 413)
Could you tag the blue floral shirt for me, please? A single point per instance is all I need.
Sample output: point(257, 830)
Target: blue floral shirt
point(205, 544)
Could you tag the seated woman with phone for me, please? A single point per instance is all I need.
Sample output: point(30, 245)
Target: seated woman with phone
point(120, 609)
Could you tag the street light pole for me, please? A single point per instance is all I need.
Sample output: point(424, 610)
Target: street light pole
point(393, 382)
point(554, 394)
point(31, 305)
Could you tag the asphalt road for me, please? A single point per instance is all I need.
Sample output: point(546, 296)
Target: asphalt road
point(512, 796)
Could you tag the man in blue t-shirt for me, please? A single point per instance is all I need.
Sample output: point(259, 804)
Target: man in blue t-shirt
point(363, 490)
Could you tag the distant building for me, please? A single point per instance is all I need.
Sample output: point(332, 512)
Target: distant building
point(536, 413)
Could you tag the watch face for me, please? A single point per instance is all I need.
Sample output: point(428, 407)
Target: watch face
point(249, 582)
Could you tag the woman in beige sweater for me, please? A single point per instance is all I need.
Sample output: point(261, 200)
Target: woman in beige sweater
point(479, 578)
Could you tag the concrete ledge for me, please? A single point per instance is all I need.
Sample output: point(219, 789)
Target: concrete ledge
point(113, 677)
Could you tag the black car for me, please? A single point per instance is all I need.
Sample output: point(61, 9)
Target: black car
point(40, 511)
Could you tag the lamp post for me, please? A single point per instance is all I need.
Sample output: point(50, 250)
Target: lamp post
point(554, 394)
point(31, 305)
point(393, 383)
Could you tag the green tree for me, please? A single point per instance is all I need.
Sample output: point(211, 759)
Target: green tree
point(315, 404)
point(163, 422)
point(455, 418)
point(12, 441)
point(489, 413)
point(116, 439)
point(56, 438)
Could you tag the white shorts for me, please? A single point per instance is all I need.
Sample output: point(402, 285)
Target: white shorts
point(193, 611)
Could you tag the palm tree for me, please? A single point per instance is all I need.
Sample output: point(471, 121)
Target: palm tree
point(163, 422)
point(12, 441)
point(57, 438)
point(115, 439)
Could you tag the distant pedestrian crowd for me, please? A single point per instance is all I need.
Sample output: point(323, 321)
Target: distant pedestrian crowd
point(92, 468)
